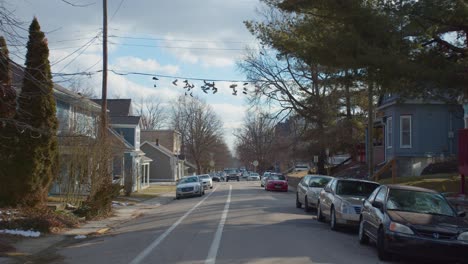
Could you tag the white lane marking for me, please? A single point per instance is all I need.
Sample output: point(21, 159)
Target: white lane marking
point(156, 242)
point(211, 259)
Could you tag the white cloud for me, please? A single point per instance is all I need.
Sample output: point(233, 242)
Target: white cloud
point(129, 63)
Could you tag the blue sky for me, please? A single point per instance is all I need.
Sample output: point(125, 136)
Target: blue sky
point(203, 31)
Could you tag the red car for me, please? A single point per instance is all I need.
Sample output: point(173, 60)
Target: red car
point(276, 182)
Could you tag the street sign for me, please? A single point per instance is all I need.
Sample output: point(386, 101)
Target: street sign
point(212, 163)
point(255, 163)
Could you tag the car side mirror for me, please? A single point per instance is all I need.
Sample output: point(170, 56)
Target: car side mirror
point(461, 214)
point(328, 190)
point(378, 205)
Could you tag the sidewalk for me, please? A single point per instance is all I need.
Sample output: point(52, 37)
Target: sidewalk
point(122, 214)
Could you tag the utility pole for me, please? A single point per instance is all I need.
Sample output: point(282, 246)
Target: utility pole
point(370, 129)
point(104, 72)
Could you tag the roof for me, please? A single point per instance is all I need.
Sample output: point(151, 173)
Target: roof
point(409, 188)
point(357, 180)
point(190, 164)
point(119, 138)
point(160, 148)
point(60, 93)
point(125, 120)
point(145, 159)
point(117, 107)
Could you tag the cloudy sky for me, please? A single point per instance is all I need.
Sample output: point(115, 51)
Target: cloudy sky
point(184, 38)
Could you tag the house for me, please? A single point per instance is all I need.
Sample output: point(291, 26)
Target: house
point(164, 148)
point(134, 167)
point(415, 132)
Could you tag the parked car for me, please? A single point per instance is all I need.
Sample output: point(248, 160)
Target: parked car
point(276, 182)
point(413, 221)
point(232, 174)
point(301, 167)
point(217, 177)
point(308, 190)
point(189, 186)
point(253, 177)
point(206, 180)
point(264, 177)
point(245, 175)
point(341, 201)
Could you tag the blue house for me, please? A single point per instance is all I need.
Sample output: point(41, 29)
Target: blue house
point(416, 132)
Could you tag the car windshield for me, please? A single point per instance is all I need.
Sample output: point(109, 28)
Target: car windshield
point(355, 188)
point(418, 202)
point(188, 180)
point(204, 177)
point(318, 182)
point(277, 177)
point(230, 171)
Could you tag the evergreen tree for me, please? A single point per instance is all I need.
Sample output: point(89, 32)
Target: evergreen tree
point(37, 156)
point(7, 93)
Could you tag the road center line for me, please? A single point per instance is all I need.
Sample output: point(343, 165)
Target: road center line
point(156, 242)
point(211, 259)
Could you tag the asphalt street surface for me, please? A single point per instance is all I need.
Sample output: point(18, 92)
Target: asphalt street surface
point(236, 222)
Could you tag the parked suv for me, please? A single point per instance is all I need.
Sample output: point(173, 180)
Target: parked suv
point(341, 201)
point(232, 174)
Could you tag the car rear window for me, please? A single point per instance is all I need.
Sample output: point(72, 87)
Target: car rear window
point(355, 188)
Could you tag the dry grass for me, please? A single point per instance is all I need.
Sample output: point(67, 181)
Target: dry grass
point(440, 182)
point(152, 192)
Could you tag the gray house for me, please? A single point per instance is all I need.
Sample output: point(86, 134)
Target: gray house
point(134, 167)
point(416, 132)
point(166, 166)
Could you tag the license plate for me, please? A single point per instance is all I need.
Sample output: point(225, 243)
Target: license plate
point(278, 186)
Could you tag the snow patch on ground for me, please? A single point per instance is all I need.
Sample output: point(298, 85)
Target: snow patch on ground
point(24, 233)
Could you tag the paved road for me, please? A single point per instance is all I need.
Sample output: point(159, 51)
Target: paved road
point(236, 222)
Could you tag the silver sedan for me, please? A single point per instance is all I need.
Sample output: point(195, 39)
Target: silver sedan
point(309, 189)
point(341, 201)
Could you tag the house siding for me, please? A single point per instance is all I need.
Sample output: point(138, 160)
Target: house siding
point(434, 130)
point(127, 133)
point(162, 167)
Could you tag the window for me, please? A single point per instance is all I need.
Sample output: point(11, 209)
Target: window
point(405, 132)
point(381, 195)
point(373, 194)
point(305, 180)
point(389, 133)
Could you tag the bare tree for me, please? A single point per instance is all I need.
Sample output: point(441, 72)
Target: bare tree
point(255, 140)
point(200, 127)
point(81, 87)
point(153, 114)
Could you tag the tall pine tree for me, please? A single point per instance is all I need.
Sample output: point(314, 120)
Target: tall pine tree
point(37, 156)
point(7, 123)
point(7, 93)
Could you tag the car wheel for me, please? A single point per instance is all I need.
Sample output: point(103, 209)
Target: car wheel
point(211, 187)
point(383, 254)
point(332, 219)
point(261, 185)
point(363, 238)
point(298, 204)
point(237, 179)
point(306, 205)
point(320, 217)
point(177, 197)
point(227, 180)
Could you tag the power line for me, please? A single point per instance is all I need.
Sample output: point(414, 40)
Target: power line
point(179, 40)
point(123, 73)
point(117, 10)
point(174, 47)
